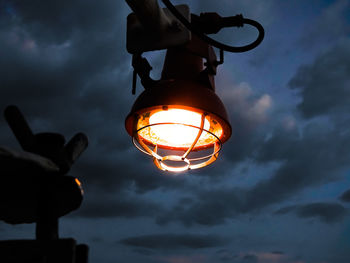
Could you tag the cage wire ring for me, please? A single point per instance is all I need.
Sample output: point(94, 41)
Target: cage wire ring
point(159, 160)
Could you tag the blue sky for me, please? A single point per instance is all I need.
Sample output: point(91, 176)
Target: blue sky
point(279, 192)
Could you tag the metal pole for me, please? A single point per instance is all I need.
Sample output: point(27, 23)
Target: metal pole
point(20, 127)
point(47, 222)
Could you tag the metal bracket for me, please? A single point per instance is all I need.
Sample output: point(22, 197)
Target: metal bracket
point(142, 38)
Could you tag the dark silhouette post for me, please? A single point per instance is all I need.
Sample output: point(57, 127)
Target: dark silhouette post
point(34, 188)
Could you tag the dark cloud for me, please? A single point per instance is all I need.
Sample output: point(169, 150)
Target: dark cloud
point(286, 210)
point(311, 158)
point(209, 208)
point(248, 111)
point(250, 258)
point(72, 80)
point(315, 157)
point(226, 255)
point(64, 61)
point(326, 212)
point(115, 188)
point(330, 26)
point(119, 205)
point(52, 21)
point(175, 241)
point(319, 151)
point(277, 252)
point(109, 172)
point(323, 85)
point(97, 239)
point(144, 252)
point(345, 197)
point(260, 256)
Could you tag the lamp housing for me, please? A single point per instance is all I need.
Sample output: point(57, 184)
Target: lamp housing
point(179, 120)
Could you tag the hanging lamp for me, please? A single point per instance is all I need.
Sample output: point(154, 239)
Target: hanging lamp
point(179, 120)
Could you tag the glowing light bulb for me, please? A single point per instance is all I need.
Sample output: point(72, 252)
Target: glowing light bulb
point(173, 133)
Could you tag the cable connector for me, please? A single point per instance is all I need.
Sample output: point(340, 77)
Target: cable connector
point(212, 23)
point(195, 28)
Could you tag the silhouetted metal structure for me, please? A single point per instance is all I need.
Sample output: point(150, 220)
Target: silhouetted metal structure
point(178, 120)
point(34, 188)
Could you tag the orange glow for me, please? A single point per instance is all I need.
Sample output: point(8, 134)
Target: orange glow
point(178, 128)
point(177, 134)
point(79, 184)
point(178, 138)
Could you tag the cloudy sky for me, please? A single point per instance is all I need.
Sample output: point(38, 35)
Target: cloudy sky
point(280, 191)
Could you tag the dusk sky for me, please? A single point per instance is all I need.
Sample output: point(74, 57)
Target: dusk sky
point(280, 190)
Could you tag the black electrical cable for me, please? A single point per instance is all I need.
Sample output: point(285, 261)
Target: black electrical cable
point(213, 42)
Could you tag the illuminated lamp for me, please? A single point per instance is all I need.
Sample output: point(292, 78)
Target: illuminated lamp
point(179, 120)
